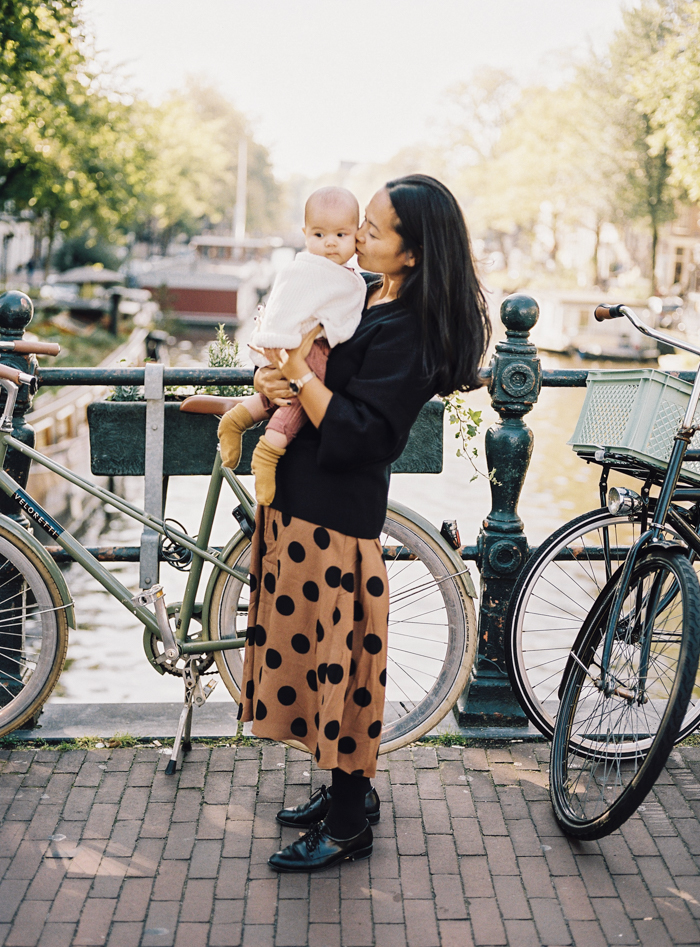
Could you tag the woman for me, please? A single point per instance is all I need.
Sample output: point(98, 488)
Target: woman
point(315, 662)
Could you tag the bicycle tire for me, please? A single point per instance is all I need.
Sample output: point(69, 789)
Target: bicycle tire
point(422, 685)
point(610, 746)
point(33, 633)
point(552, 598)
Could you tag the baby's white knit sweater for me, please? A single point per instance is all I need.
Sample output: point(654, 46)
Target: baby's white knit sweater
point(307, 292)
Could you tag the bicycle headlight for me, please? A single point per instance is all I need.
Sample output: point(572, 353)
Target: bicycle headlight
point(622, 501)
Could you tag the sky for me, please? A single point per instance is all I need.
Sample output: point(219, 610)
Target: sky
point(325, 81)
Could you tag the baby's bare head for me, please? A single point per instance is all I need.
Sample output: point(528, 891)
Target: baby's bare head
point(331, 220)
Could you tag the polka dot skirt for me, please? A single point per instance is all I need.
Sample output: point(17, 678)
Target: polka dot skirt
point(315, 657)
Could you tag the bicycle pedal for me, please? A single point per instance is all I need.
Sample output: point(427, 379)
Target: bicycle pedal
point(203, 693)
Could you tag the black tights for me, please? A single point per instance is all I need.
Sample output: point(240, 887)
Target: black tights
point(346, 816)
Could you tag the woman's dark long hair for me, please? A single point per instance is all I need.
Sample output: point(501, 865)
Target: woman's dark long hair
point(442, 287)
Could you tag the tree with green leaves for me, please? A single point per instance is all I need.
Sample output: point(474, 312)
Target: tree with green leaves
point(74, 148)
point(645, 190)
point(666, 83)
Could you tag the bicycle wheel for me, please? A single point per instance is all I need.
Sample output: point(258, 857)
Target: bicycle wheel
point(611, 743)
point(553, 594)
point(33, 633)
point(432, 630)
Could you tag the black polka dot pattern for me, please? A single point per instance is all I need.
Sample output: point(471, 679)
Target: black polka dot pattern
point(273, 658)
point(301, 644)
point(285, 605)
point(296, 551)
point(372, 643)
point(317, 628)
point(375, 586)
point(310, 591)
point(322, 538)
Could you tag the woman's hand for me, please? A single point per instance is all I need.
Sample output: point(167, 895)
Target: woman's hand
point(292, 363)
point(270, 382)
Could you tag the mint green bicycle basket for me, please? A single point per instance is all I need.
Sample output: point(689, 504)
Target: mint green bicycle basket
point(635, 414)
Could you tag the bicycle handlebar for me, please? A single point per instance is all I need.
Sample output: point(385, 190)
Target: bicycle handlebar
point(604, 311)
point(30, 347)
point(15, 375)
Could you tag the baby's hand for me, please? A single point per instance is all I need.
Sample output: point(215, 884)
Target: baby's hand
point(275, 356)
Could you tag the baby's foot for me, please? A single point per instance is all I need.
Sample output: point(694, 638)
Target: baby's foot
point(264, 465)
point(231, 428)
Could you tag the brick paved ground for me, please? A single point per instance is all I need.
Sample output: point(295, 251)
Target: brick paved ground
point(101, 847)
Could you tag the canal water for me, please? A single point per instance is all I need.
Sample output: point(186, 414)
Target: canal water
point(105, 660)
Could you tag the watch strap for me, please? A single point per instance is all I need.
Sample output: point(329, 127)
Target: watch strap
point(296, 384)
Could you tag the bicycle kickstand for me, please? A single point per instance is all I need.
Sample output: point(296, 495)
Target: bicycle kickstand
point(197, 694)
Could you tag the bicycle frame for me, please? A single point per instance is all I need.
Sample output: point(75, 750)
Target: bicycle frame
point(200, 547)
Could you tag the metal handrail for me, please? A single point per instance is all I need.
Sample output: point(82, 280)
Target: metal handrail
point(551, 378)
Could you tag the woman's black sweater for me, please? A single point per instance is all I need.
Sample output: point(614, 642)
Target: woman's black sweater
point(337, 475)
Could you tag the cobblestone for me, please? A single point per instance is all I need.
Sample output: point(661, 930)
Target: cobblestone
point(467, 853)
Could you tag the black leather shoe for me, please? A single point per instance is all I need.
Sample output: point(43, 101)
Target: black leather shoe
point(318, 850)
point(316, 809)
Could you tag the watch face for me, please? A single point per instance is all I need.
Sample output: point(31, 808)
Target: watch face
point(295, 388)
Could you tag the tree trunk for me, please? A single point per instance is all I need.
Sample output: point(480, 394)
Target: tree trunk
point(51, 234)
point(596, 251)
point(654, 242)
point(555, 239)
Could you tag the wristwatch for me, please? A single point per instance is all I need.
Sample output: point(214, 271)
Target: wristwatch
point(296, 384)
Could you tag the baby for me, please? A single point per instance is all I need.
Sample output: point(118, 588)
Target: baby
point(316, 289)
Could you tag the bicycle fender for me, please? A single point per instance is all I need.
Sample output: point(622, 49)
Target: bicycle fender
point(230, 545)
point(460, 567)
point(25, 537)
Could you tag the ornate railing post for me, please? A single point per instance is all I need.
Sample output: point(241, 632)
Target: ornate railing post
point(16, 311)
point(515, 383)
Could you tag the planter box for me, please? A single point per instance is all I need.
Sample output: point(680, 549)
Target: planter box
point(118, 435)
